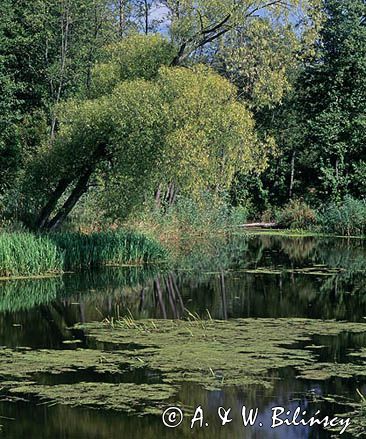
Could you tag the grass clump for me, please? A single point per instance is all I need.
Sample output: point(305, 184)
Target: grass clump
point(24, 254)
point(107, 248)
point(188, 220)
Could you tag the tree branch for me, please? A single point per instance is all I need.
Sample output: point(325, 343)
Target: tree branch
point(205, 36)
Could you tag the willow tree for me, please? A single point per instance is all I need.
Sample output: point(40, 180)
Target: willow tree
point(147, 122)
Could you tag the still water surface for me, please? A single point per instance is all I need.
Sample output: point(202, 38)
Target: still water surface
point(260, 277)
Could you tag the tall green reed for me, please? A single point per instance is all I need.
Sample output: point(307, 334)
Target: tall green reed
point(107, 248)
point(24, 254)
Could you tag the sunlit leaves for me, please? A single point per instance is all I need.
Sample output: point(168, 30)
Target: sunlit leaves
point(135, 57)
point(179, 125)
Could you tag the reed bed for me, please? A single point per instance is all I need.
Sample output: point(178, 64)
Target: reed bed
point(107, 248)
point(24, 254)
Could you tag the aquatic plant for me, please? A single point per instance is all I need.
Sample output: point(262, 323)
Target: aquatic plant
point(144, 399)
point(211, 353)
point(106, 248)
point(240, 351)
point(25, 254)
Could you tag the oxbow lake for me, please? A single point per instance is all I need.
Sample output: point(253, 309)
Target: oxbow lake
point(268, 287)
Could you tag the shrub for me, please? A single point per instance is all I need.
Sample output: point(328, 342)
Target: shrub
point(239, 215)
point(270, 215)
point(297, 215)
point(346, 218)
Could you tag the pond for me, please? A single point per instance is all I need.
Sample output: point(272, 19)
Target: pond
point(270, 321)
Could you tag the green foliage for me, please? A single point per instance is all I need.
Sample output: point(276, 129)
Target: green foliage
point(24, 254)
point(9, 136)
point(47, 50)
point(345, 218)
point(87, 101)
point(213, 135)
point(106, 248)
point(209, 215)
point(135, 57)
point(319, 124)
point(184, 126)
point(260, 68)
point(333, 103)
point(297, 215)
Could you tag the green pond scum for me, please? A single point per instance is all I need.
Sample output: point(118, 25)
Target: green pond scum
point(210, 353)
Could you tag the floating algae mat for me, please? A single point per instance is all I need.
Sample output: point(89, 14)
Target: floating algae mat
point(126, 397)
point(356, 411)
point(210, 353)
point(217, 353)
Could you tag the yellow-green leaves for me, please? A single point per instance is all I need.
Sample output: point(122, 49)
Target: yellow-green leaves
point(138, 56)
point(179, 125)
point(212, 135)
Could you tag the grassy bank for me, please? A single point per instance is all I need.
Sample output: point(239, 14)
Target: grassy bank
point(25, 254)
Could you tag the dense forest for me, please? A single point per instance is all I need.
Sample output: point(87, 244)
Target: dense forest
point(111, 109)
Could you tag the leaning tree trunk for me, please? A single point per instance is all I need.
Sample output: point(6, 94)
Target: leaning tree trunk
point(43, 222)
point(80, 189)
point(52, 202)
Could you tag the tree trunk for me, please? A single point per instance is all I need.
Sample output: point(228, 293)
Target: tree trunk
point(146, 16)
point(65, 30)
point(158, 196)
point(223, 295)
point(51, 204)
point(80, 188)
point(292, 177)
point(159, 296)
point(121, 13)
